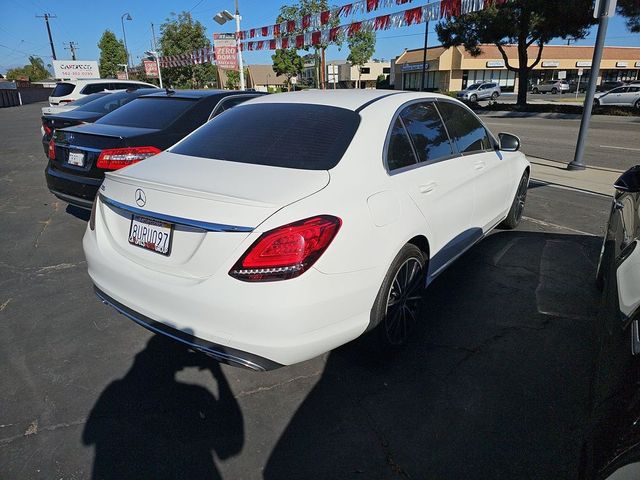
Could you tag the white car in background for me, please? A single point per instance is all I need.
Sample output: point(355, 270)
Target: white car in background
point(67, 107)
point(626, 96)
point(295, 223)
point(70, 90)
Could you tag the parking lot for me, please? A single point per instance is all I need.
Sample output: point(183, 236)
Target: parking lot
point(496, 383)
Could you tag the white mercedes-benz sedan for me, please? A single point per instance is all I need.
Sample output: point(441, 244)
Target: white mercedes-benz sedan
point(294, 223)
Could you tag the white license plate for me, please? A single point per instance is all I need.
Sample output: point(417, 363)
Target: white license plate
point(151, 234)
point(76, 158)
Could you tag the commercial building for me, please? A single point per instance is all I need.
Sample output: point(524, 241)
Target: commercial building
point(452, 69)
point(345, 75)
point(259, 77)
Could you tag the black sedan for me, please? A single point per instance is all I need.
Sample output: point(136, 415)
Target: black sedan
point(79, 155)
point(98, 107)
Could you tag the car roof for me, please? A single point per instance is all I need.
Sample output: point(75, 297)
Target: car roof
point(101, 80)
point(191, 93)
point(351, 99)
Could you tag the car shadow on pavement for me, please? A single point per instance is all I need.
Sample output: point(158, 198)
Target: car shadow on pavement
point(150, 425)
point(80, 213)
point(496, 382)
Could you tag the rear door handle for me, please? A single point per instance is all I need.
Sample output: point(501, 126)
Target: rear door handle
point(429, 187)
point(479, 165)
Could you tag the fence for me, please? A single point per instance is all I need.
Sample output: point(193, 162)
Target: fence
point(23, 96)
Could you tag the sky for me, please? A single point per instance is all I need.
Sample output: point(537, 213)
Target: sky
point(83, 22)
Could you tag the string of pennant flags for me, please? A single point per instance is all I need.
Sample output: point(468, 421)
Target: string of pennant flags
point(317, 29)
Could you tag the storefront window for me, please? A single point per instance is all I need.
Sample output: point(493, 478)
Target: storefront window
point(619, 75)
point(505, 78)
point(412, 81)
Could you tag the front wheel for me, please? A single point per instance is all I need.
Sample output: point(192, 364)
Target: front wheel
point(473, 98)
point(637, 105)
point(395, 309)
point(535, 90)
point(596, 103)
point(517, 207)
point(554, 90)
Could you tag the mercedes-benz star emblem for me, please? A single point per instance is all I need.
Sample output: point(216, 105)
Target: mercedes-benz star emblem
point(141, 198)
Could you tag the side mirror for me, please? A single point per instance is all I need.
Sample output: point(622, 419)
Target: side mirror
point(629, 181)
point(508, 142)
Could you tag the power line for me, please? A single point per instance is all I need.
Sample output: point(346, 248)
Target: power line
point(46, 17)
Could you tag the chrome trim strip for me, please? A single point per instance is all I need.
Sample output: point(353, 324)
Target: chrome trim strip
point(218, 355)
point(208, 226)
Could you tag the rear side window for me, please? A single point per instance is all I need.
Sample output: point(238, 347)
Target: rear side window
point(290, 135)
point(156, 113)
point(107, 103)
point(399, 151)
point(89, 98)
point(63, 89)
point(94, 88)
point(230, 102)
point(464, 128)
point(634, 89)
point(427, 131)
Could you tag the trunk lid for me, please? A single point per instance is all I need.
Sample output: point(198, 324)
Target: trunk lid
point(194, 191)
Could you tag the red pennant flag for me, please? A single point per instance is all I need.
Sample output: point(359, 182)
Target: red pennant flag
point(354, 28)
point(345, 10)
point(372, 5)
point(285, 42)
point(276, 30)
point(402, 2)
point(250, 45)
point(291, 26)
point(272, 44)
point(315, 38)
point(450, 8)
point(324, 17)
point(252, 33)
point(265, 31)
point(299, 41)
point(260, 45)
point(333, 34)
point(306, 22)
point(414, 15)
point(383, 22)
point(242, 35)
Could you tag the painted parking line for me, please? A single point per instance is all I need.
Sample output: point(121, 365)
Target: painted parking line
point(555, 225)
point(621, 148)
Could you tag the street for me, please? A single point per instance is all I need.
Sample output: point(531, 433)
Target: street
point(494, 385)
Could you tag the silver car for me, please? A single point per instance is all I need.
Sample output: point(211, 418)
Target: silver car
point(480, 91)
point(627, 96)
point(551, 86)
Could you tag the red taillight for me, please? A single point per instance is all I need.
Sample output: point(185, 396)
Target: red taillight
point(52, 149)
point(45, 127)
point(288, 251)
point(115, 158)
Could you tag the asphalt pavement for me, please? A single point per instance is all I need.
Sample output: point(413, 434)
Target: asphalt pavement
point(494, 385)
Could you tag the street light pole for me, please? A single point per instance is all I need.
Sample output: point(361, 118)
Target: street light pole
point(238, 46)
point(124, 34)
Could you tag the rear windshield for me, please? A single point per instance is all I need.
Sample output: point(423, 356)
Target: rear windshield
point(86, 99)
point(63, 89)
point(152, 112)
point(291, 135)
point(108, 102)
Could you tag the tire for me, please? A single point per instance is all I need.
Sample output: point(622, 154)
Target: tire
point(494, 95)
point(473, 98)
point(554, 90)
point(394, 311)
point(535, 91)
point(517, 206)
point(637, 105)
point(596, 102)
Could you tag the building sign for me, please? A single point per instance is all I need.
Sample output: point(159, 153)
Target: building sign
point(622, 64)
point(416, 67)
point(495, 64)
point(562, 74)
point(73, 69)
point(583, 64)
point(551, 64)
point(226, 50)
point(150, 68)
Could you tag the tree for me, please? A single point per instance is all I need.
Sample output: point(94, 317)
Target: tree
point(112, 53)
point(181, 34)
point(631, 10)
point(34, 71)
point(233, 80)
point(362, 44)
point(288, 63)
point(520, 22)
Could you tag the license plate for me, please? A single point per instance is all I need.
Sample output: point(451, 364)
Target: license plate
point(76, 158)
point(151, 234)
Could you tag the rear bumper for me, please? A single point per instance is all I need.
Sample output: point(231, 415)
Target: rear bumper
point(73, 189)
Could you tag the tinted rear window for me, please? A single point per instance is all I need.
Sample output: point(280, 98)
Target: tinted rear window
point(156, 112)
point(290, 135)
point(63, 89)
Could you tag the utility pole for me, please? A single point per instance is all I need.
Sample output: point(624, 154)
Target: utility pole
point(73, 47)
point(46, 17)
point(424, 55)
point(153, 34)
point(602, 11)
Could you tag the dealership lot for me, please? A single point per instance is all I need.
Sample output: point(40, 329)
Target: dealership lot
point(495, 384)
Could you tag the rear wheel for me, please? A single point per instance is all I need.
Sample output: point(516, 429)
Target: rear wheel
point(494, 95)
point(554, 90)
point(637, 105)
point(395, 309)
point(535, 90)
point(517, 207)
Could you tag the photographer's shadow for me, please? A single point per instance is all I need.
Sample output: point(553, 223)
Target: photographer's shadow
point(149, 425)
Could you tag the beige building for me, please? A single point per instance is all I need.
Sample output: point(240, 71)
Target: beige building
point(454, 68)
point(259, 77)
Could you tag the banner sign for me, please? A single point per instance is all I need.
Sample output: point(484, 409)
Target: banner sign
point(226, 50)
point(550, 63)
point(495, 64)
point(150, 68)
point(74, 69)
point(415, 67)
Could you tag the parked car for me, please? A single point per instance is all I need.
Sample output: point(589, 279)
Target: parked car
point(324, 222)
point(580, 87)
point(480, 91)
point(67, 107)
point(90, 112)
point(551, 86)
point(79, 155)
point(71, 90)
point(627, 96)
point(607, 86)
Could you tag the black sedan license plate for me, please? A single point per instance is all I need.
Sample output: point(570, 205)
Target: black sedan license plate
point(151, 234)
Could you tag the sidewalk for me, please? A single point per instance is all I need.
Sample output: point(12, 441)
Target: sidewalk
point(593, 179)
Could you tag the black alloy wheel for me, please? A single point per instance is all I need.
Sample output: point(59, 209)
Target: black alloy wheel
point(402, 302)
point(517, 207)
